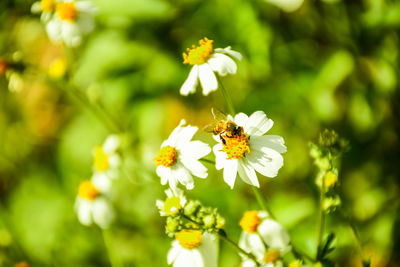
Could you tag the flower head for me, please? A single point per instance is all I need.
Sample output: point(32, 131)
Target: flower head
point(106, 158)
point(45, 7)
point(205, 61)
point(173, 204)
point(178, 158)
point(249, 150)
point(193, 248)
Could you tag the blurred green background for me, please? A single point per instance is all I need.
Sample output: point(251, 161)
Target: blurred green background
point(328, 64)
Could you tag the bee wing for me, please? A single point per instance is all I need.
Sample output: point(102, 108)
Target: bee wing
point(218, 114)
point(209, 128)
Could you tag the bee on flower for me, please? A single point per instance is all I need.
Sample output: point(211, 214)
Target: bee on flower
point(178, 158)
point(244, 148)
point(106, 159)
point(264, 238)
point(206, 61)
point(92, 204)
point(173, 204)
point(194, 248)
point(71, 20)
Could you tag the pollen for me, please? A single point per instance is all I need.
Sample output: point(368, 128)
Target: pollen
point(250, 221)
point(172, 205)
point(189, 238)
point(271, 256)
point(100, 159)
point(236, 146)
point(47, 5)
point(67, 11)
point(88, 191)
point(166, 156)
point(197, 55)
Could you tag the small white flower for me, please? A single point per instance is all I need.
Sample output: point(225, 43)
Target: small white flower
point(192, 248)
point(46, 8)
point(106, 159)
point(261, 232)
point(172, 204)
point(92, 205)
point(205, 61)
point(250, 150)
point(178, 158)
point(71, 20)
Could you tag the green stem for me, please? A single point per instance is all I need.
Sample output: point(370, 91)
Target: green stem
point(321, 220)
point(227, 97)
point(207, 160)
point(230, 241)
point(107, 243)
point(260, 200)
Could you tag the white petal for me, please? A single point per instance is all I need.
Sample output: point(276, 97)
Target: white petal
point(36, 7)
point(265, 160)
point(274, 235)
point(230, 171)
point(220, 156)
point(53, 29)
point(173, 137)
point(103, 213)
point(185, 135)
point(164, 173)
point(222, 64)
point(71, 34)
point(102, 182)
point(258, 124)
point(183, 175)
point(84, 210)
point(209, 250)
point(46, 17)
point(174, 251)
point(252, 243)
point(195, 149)
point(114, 160)
point(85, 6)
point(275, 142)
point(195, 167)
point(207, 79)
point(189, 86)
point(241, 119)
point(229, 51)
point(111, 144)
point(247, 173)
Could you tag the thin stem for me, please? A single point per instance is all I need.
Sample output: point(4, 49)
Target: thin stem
point(108, 246)
point(321, 220)
point(260, 200)
point(230, 241)
point(227, 97)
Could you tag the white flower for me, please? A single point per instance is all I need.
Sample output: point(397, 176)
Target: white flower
point(287, 5)
point(46, 8)
point(92, 205)
point(205, 62)
point(178, 158)
point(250, 150)
point(71, 20)
point(106, 159)
point(261, 232)
point(192, 248)
point(172, 204)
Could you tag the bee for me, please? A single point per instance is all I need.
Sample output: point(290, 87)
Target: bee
point(223, 126)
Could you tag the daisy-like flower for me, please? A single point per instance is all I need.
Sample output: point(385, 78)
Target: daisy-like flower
point(249, 150)
point(173, 204)
point(178, 158)
point(205, 61)
point(106, 159)
point(46, 8)
point(193, 248)
point(71, 20)
point(264, 238)
point(92, 205)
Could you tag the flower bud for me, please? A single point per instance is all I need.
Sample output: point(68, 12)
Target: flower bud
point(191, 208)
point(209, 221)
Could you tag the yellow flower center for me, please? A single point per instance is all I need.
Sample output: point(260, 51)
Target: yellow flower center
point(88, 191)
point(100, 159)
point(189, 238)
point(166, 156)
point(250, 221)
point(271, 256)
point(47, 5)
point(198, 54)
point(172, 205)
point(236, 146)
point(67, 11)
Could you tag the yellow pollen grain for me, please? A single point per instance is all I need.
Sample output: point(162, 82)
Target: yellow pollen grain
point(100, 159)
point(271, 256)
point(88, 191)
point(166, 156)
point(237, 146)
point(250, 221)
point(47, 5)
point(197, 55)
point(67, 11)
point(189, 238)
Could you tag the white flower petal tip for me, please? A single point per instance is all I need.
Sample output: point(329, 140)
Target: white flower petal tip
point(248, 150)
point(287, 5)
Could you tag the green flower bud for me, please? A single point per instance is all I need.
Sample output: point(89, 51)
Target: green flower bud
point(328, 138)
point(191, 208)
point(209, 221)
point(172, 225)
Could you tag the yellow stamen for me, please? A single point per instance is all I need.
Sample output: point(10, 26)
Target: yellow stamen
point(100, 159)
point(172, 205)
point(47, 5)
point(198, 54)
point(271, 256)
point(166, 156)
point(330, 179)
point(235, 147)
point(250, 221)
point(189, 238)
point(88, 191)
point(67, 11)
